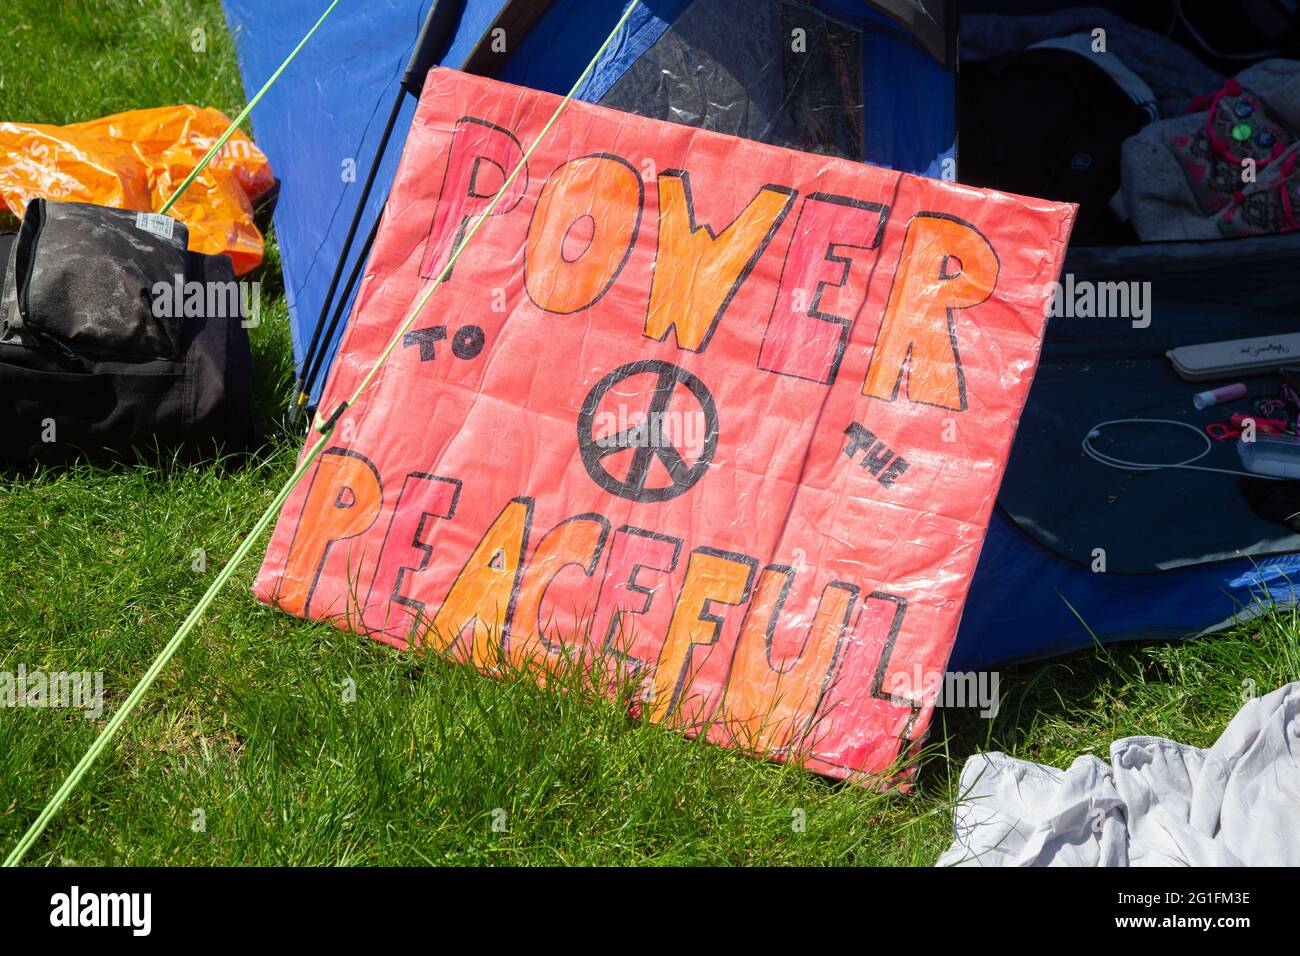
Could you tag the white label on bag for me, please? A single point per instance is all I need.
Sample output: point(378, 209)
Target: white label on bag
point(159, 225)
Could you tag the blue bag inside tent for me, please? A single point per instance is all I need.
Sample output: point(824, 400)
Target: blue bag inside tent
point(1078, 551)
point(322, 121)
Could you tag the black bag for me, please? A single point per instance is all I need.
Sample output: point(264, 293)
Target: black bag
point(1049, 122)
point(116, 340)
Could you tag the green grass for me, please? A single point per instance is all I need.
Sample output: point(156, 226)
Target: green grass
point(250, 726)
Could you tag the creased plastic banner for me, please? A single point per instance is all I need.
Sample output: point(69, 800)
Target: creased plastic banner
point(731, 416)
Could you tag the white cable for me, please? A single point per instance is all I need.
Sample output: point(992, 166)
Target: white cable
point(1187, 464)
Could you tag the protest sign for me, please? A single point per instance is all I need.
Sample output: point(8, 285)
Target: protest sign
point(730, 415)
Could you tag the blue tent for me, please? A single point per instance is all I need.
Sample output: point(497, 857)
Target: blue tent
point(322, 121)
point(1026, 603)
point(1183, 552)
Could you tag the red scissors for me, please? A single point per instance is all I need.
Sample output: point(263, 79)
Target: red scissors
point(1233, 427)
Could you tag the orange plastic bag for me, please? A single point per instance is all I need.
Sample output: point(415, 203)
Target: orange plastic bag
point(136, 160)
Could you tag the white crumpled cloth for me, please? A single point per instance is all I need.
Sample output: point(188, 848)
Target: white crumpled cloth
point(1157, 803)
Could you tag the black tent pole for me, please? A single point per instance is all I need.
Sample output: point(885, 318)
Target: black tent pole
point(304, 383)
point(439, 24)
point(319, 359)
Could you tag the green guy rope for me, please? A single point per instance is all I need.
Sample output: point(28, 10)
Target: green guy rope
point(325, 428)
point(230, 130)
point(120, 715)
point(473, 230)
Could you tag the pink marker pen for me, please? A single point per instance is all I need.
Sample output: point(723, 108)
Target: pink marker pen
point(1217, 396)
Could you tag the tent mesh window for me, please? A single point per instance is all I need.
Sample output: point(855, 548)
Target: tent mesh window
point(792, 77)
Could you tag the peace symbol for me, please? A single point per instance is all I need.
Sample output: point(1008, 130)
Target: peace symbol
point(647, 438)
